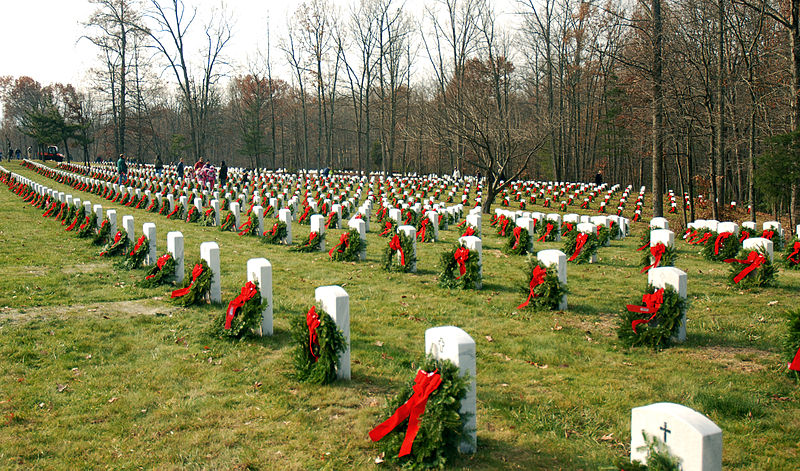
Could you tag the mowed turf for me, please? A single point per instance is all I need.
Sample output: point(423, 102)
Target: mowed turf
point(96, 371)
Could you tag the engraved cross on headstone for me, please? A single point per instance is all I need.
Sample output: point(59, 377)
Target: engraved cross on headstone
point(666, 431)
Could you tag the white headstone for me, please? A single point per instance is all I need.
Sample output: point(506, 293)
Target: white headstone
point(750, 226)
point(235, 210)
point(558, 259)
point(474, 243)
point(335, 301)
point(259, 213)
point(663, 236)
point(394, 214)
point(209, 251)
point(361, 227)
point(260, 271)
point(149, 231)
point(659, 223)
point(759, 243)
point(773, 226)
point(453, 344)
point(175, 247)
point(411, 233)
point(98, 211)
point(285, 215)
point(474, 220)
point(731, 227)
point(661, 277)
point(318, 226)
point(527, 224)
point(127, 224)
point(688, 435)
point(111, 214)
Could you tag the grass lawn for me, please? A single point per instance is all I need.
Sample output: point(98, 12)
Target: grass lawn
point(96, 371)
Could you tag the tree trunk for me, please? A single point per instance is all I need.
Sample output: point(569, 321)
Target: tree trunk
point(658, 111)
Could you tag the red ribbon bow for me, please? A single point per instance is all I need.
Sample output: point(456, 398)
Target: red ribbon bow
point(162, 260)
point(461, 256)
point(745, 235)
point(504, 222)
point(720, 239)
point(469, 232)
point(342, 241)
point(248, 291)
point(652, 303)
point(569, 227)
point(657, 251)
point(274, 229)
point(196, 272)
point(703, 239)
point(423, 228)
point(537, 278)
point(137, 246)
point(795, 251)
point(768, 234)
point(386, 228)
point(546, 232)
point(755, 260)
point(580, 242)
point(424, 384)
point(795, 364)
point(395, 246)
point(517, 233)
point(312, 321)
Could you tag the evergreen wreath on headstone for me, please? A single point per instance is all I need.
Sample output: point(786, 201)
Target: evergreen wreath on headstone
point(161, 273)
point(116, 245)
point(86, 229)
point(459, 268)
point(101, 236)
point(249, 227)
point(542, 287)
point(778, 242)
point(399, 254)
point(441, 426)
point(349, 247)
point(243, 313)
point(193, 215)
point(542, 232)
point(752, 269)
point(791, 345)
point(305, 218)
point(503, 224)
point(791, 257)
point(410, 217)
point(318, 344)
point(425, 230)
point(589, 247)
point(654, 324)
point(659, 255)
point(275, 234)
point(658, 458)
point(517, 242)
point(138, 253)
point(603, 236)
point(76, 220)
point(721, 246)
point(389, 228)
point(176, 211)
point(311, 244)
point(644, 241)
point(209, 218)
point(332, 216)
point(194, 290)
point(228, 223)
point(69, 214)
point(153, 207)
point(268, 211)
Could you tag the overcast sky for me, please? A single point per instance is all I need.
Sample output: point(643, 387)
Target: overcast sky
point(41, 38)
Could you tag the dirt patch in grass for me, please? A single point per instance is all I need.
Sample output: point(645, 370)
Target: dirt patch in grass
point(748, 360)
point(138, 307)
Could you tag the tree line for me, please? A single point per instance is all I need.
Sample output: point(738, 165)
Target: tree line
point(698, 96)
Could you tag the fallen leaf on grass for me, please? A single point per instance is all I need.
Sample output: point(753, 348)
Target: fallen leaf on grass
point(772, 303)
point(256, 385)
point(379, 343)
point(113, 399)
point(379, 458)
point(61, 387)
point(489, 338)
point(608, 437)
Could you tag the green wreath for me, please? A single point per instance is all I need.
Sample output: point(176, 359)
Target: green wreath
point(209, 218)
point(389, 228)
point(449, 270)
point(429, 233)
point(275, 234)
point(778, 242)
point(658, 332)
point(69, 214)
point(176, 212)
point(522, 246)
point(194, 214)
point(305, 218)
point(103, 232)
point(541, 230)
point(247, 318)
point(319, 366)
point(161, 273)
point(441, 427)
point(153, 207)
point(504, 226)
point(391, 259)
point(762, 276)
point(792, 341)
point(667, 260)
point(86, 229)
point(548, 293)
point(115, 245)
point(76, 220)
point(729, 247)
point(445, 220)
point(644, 240)
point(249, 227)
point(794, 262)
point(197, 289)
point(309, 244)
point(588, 250)
point(135, 257)
point(349, 252)
point(228, 224)
point(410, 218)
point(603, 236)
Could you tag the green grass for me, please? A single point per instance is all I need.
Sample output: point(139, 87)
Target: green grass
point(98, 372)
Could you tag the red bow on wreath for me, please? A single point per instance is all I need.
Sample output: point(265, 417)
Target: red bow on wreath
point(312, 321)
point(720, 239)
point(248, 291)
point(424, 384)
point(652, 303)
point(795, 364)
point(469, 232)
point(395, 246)
point(537, 278)
point(386, 228)
point(423, 228)
point(768, 234)
point(461, 255)
point(546, 232)
point(580, 242)
point(196, 272)
point(657, 251)
point(755, 260)
point(137, 246)
point(517, 233)
point(703, 239)
point(343, 240)
point(795, 252)
point(745, 235)
point(162, 260)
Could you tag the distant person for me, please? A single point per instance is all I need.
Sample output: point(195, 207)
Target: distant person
point(18, 153)
point(28, 152)
point(180, 169)
point(1, 155)
point(223, 173)
point(598, 179)
point(159, 165)
point(198, 165)
point(325, 172)
point(122, 168)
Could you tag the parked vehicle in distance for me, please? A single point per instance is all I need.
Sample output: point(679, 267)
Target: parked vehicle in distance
point(52, 154)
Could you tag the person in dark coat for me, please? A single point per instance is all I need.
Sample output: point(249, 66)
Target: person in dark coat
point(159, 165)
point(223, 173)
point(598, 179)
point(180, 169)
